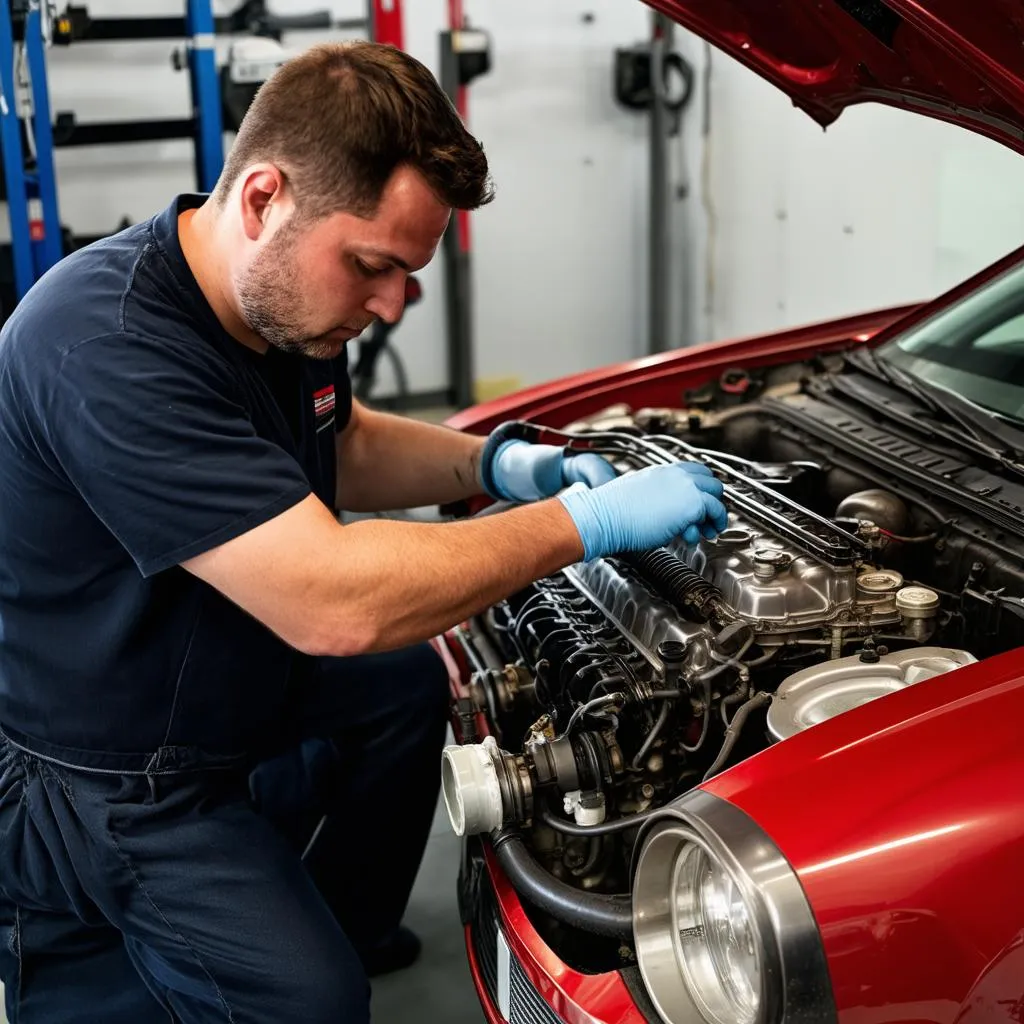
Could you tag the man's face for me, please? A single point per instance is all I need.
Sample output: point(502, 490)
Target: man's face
point(312, 287)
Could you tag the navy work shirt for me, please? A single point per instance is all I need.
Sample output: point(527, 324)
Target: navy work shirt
point(135, 433)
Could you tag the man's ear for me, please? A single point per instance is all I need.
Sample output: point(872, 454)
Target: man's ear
point(263, 186)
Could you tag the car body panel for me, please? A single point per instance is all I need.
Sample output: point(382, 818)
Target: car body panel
point(956, 61)
point(902, 819)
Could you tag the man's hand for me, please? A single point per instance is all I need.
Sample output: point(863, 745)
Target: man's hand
point(647, 509)
point(520, 471)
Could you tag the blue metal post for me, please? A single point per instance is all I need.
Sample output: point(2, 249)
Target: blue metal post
point(13, 159)
point(50, 248)
point(206, 100)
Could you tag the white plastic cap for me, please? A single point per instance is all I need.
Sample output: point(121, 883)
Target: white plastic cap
point(917, 603)
point(470, 786)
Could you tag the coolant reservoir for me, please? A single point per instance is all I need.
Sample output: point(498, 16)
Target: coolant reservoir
point(814, 695)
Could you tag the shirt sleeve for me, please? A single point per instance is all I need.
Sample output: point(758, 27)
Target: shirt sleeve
point(158, 441)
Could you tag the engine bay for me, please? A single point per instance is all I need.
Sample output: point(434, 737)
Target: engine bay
point(844, 574)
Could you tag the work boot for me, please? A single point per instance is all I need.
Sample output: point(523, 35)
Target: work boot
point(399, 950)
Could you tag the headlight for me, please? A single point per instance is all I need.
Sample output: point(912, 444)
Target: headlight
point(719, 948)
point(724, 934)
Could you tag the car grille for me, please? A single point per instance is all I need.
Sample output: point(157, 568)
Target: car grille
point(485, 938)
point(527, 1006)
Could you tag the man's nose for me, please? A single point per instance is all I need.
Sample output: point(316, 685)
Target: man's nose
point(388, 301)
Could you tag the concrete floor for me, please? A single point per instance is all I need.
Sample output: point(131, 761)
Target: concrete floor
point(438, 987)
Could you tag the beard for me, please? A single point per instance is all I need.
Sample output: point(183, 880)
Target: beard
point(273, 305)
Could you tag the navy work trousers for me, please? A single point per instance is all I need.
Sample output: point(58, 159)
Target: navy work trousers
point(180, 894)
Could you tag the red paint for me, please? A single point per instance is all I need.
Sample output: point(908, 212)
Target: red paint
point(903, 820)
point(387, 22)
point(576, 998)
point(490, 1010)
point(959, 62)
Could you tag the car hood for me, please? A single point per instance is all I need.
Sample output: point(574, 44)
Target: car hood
point(960, 62)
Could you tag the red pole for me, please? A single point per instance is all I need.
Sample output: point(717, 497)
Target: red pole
point(455, 23)
point(387, 22)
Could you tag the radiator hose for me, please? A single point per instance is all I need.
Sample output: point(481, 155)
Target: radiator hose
point(592, 912)
point(676, 582)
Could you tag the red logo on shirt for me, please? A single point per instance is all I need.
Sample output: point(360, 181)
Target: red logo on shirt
point(323, 408)
point(323, 401)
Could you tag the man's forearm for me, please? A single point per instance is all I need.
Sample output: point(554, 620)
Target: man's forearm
point(389, 462)
point(328, 589)
point(423, 578)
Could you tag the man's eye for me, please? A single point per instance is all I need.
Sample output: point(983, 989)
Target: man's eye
point(367, 271)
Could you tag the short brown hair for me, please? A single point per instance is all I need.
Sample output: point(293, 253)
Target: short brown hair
point(340, 118)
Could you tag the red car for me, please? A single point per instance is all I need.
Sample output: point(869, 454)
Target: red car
point(777, 776)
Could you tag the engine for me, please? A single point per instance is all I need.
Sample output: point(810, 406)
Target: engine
point(611, 688)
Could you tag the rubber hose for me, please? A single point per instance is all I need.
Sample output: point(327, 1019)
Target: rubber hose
point(732, 734)
point(676, 582)
point(605, 828)
point(592, 912)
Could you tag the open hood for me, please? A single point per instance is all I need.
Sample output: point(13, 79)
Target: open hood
point(958, 60)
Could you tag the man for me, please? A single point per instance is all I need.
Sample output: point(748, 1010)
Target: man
point(197, 661)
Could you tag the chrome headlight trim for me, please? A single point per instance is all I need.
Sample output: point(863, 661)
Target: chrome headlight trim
point(795, 983)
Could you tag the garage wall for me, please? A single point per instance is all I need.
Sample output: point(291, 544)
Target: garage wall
point(884, 207)
point(560, 254)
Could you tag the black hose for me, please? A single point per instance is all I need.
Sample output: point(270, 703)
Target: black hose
point(606, 828)
point(732, 734)
point(589, 911)
point(652, 736)
point(676, 582)
point(593, 856)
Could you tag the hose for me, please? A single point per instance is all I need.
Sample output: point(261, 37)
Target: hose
point(590, 911)
point(733, 698)
point(732, 734)
point(606, 828)
point(676, 582)
point(652, 736)
point(611, 700)
point(706, 680)
point(593, 856)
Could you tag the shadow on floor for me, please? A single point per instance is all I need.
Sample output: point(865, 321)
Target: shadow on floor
point(437, 988)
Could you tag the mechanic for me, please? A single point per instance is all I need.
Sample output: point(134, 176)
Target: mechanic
point(197, 660)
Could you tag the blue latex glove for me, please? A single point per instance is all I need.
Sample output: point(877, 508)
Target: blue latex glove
point(520, 471)
point(647, 509)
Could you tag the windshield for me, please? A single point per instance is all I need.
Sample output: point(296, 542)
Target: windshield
point(974, 349)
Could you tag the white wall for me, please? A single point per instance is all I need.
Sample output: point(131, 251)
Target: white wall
point(884, 207)
point(559, 255)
